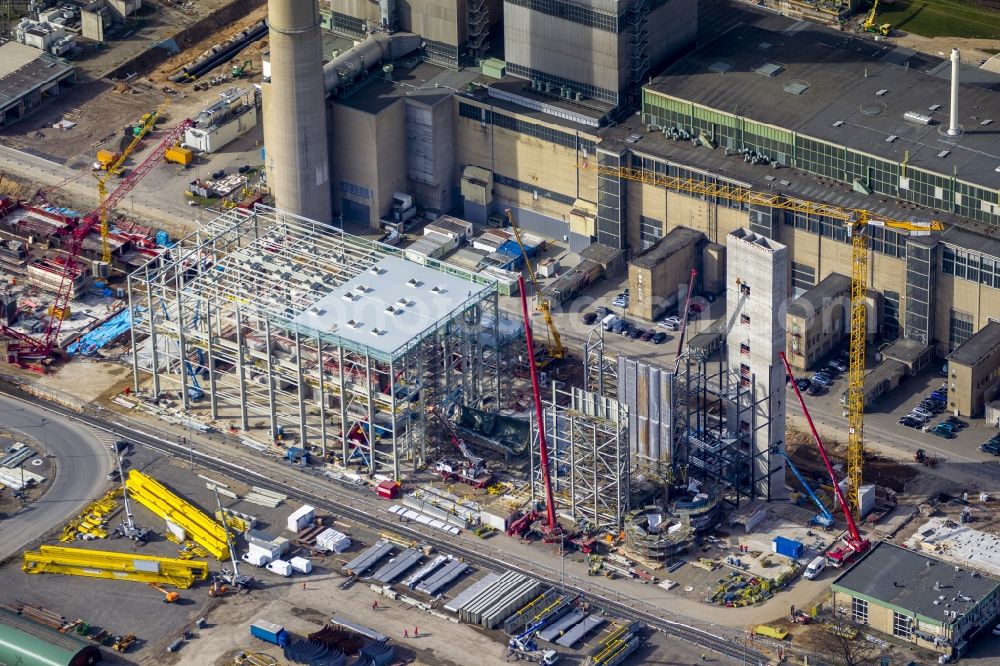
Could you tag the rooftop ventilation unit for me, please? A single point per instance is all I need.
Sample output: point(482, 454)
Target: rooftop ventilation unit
point(375, 331)
point(839, 123)
point(720, 67)
point(944, 153)
point(880, 93)
point(933, 107)
point(348, 296)
point(375, 270)
point(917, 117)
point(412, 282)
point(891, 138)
point(769, 69)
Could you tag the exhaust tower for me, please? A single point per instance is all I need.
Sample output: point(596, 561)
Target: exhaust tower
point(295, 131)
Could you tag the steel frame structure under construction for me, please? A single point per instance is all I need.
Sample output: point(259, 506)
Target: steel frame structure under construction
point(589, 458)
point(264, 314)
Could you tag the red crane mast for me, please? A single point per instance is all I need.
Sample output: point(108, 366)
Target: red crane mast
point(857, 543)
point(550, 511)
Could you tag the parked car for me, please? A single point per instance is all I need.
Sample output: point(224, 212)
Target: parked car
point(956, 422)
point(993, 448)
point(603, 311)
point(920, 416)
point(837, 365)
point(822, 378)
point(636, 333)
point(923, 411)
point(123, 445)
point(996, 630)
point(670, 323)
point(589, 318)
point(659, 338)
point(910, 422)
point(620, 302)
point(619, 325)
point(943, 430)
point(648, 335)
point(815, 388)
point(938, 395)
point(626, 328)
point(803, 384)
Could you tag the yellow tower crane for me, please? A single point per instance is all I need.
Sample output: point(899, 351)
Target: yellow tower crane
point(856, 221)
point(556, 350)
point(115, 169)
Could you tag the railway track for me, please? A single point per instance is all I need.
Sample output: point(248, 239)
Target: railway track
point(340, 500)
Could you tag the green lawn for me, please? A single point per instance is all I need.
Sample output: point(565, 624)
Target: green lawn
point(941, 18)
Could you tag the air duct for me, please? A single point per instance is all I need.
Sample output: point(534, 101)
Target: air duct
point(353, 63)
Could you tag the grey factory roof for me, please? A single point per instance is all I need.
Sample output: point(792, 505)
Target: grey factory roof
point(24, 68)
point(426, 82)
point(979, 346)
point(419, 298)
point(985, 243)
point(863, 86)
point(906, 579)
point(812, 301)
point(676, 239)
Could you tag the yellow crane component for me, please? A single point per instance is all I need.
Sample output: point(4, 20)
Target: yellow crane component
point(197, 526)
point(114, 169)
point(556, 350)
point(856, 221)
point(869, 24)
point(117, 566)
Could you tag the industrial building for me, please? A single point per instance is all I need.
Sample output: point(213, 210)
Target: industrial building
point(594, 50)
point(217, 126)
point(301, 333)
point(709, 119)
point(100, 17)
point(658, 277)
point(974, 372)
point(453, 32)
point(28, 643)
point(917, 598)
point(28, 77)
point(817, 320)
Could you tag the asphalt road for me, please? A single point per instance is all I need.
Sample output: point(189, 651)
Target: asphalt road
point(81, 463)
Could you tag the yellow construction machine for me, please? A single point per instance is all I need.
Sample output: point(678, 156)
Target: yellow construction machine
point(869, 25)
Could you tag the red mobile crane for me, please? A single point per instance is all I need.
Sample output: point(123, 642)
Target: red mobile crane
point(856, 544)
point(21, 347)
point(551, 531)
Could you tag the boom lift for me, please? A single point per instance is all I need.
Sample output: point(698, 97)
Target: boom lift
point(524, 647)
point(168, 596)
point(856, 544)
point(556, 351)
point(22, 347)
point(824, 518)
point(551, 531)
point(855, 221)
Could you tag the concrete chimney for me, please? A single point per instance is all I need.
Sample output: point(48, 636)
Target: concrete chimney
point(956, 63)
point(295, 131)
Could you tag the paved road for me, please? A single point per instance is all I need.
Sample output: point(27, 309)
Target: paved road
point(81, 463)
point(146, 202)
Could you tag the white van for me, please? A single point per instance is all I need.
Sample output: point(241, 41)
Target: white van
point(815, 568)
point(609, 321)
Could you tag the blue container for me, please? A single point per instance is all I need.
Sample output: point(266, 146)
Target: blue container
point(787, 547)
point(162, 238)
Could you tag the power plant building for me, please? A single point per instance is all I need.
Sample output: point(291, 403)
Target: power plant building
point(303, 334)
point(842, 134)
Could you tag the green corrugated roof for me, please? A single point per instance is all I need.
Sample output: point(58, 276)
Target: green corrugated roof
point(27, 643)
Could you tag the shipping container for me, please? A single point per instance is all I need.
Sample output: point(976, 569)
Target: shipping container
point(179, 155)
point(787, 547)
point(301, 518)
point(256, 558)
point(273, 633)
point(301, 564)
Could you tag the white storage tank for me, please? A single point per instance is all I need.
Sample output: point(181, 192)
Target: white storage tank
point(301, 564)
point(280, 567)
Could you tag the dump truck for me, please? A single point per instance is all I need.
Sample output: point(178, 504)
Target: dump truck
point(179, 155)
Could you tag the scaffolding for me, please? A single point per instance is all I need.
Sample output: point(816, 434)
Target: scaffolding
point(590, 462)
point(337, 342)
point(716, 418)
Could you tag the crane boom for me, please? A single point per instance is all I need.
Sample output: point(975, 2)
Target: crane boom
point(855, 220)
point(855, 541)
point(684, 315)
point(550, 511)
point(824, 518)
point(29, 347)
point(556, 349)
